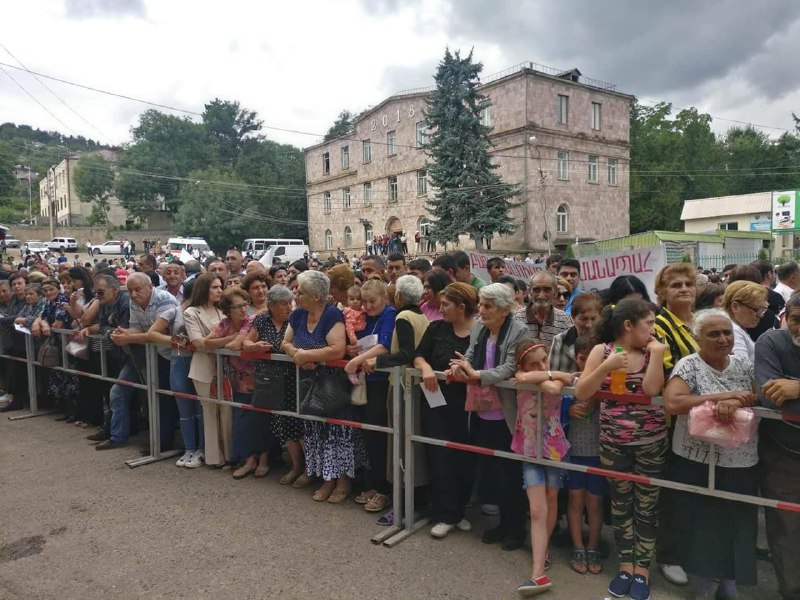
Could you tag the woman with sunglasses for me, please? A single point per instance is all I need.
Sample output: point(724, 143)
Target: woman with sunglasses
point(562, 294)
point(745, 302)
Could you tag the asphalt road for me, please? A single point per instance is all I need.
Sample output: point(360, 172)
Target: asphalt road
point(79, 524)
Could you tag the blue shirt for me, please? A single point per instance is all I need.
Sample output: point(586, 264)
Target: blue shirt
point(572, 296)
point(381, 325)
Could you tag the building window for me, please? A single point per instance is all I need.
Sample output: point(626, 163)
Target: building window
point(562, 219)
point(422, 183)
point(424, 226)
point(486, 116)
point(391, 143)
point(593, 160)
point(563, 164)
point(345, 157)
point(731, 226)
point(326, 163)
point(597, 111)
point(422, 134)
point(368, 193)
point(562, 110)
point(612, 171)
point(346, 198)
point(366, 151)
point(328, 239)
point(392, 189)
point(348, 237)
point(326, 203)
point(368, 233)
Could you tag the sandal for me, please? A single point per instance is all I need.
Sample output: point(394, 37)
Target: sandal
point(577, 561)
point(365, 497)
point(324, 492)
point(261, 471)
point(338, 496)
point(386, 519)
point(378, 503)
point(243, 471)
point(593, 562)
point(290, 477)
point(302, 481)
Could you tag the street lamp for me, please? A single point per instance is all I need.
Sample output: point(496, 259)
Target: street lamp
point(367, 224)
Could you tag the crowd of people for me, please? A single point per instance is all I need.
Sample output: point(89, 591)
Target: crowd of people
point(727, 342)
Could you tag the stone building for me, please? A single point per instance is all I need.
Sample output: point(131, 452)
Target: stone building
point(563, 136)
point(57, 194)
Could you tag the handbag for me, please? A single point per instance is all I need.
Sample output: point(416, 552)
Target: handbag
point(269, 385)
point(358, 397)
point(704, 426)
point(78, 349)
point(326, 393)
point(49, 354)
point(227, 389)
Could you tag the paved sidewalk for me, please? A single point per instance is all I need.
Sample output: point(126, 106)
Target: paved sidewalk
point(79, 524)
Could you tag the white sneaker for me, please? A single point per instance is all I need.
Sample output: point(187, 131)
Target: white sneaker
point(201, 456)
point(490, 510)
point(5, 399)
point(194, 461)
point(464, 525)
point(183, 459)
point(440, 530)
point(674, 574)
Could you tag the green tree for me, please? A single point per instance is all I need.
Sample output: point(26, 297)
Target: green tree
point(226, 127)
point(165, 149)
point(98, 216)
point(343, 125)
point(470, 197)
point(94, 181)
point(7, 180)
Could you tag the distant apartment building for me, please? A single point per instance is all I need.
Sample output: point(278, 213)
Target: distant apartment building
point(57, 194)
point(563, 137)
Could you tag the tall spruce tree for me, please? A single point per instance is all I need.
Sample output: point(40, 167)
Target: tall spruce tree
point(470, 197)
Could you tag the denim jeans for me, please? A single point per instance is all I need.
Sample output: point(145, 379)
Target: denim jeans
point(167, 407)
point(251, 431)
point(189, 411)
point(120, 402)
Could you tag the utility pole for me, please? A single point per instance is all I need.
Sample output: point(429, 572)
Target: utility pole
point(51, 187)
point(30, 198)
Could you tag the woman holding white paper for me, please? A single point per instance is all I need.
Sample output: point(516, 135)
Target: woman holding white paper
point(452, 471)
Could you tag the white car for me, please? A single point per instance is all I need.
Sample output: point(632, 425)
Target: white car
point(109, 247)
point(12, 242)
point(35, 246)
point(65, 244)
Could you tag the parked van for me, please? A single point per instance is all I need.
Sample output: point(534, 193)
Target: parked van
point(177, 245)
point(256, 247)
point(286, 253)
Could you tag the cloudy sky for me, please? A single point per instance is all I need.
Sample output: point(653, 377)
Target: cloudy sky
point(299, 64)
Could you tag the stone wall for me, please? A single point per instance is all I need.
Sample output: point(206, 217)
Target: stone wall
point(97, 235)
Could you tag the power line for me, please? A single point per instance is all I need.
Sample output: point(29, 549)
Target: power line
point(76, 113)
point(35, 99)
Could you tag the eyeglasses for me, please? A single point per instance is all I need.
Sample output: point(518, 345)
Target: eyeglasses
point(238, 306)
point(541, 290)
point(760, 312)
point(563, 294)
point(99, 292)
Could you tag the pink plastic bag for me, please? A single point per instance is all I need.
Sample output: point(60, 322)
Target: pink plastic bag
point(704, 426)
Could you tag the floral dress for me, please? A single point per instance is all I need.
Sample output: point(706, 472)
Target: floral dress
point(60, 386)
point(331, 450)
point(285, 428)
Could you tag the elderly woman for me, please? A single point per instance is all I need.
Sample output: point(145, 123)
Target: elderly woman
point(489, 360)
point(433, 283)
point(202, 315)
point(316, 334)
point(375, 339)
point(256, 286)
point(452, 471)
point(585, 314)
point(563, 292)
point(746, 303)
point(716, 537)
point(266, 335)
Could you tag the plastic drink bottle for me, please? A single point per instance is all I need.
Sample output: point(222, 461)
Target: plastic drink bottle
point(618, 377)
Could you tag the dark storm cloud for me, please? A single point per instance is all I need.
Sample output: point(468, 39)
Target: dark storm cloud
point(644, 47)
point(91, 9)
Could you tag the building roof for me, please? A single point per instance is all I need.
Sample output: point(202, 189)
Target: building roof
point(723, 206)
point(656, 238)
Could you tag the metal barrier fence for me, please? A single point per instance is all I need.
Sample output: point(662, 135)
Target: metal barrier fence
point(401, 429)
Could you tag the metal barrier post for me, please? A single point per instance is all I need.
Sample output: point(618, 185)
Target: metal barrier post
point(712, 466)
point(30, 359)
point(410, 526)
point(397, 477)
